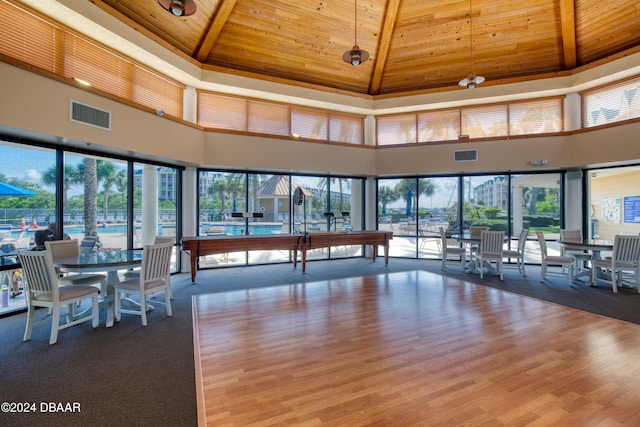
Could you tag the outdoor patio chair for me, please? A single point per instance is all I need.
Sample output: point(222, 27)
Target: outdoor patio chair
point(490, 250)
point(549, 260)
point(43, 290)
point(625, 258)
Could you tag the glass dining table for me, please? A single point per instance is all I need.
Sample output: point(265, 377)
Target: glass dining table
point(110, 262)
point(594, 246)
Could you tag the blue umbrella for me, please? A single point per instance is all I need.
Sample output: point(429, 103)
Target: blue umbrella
point(12, 190)
point(409, 202)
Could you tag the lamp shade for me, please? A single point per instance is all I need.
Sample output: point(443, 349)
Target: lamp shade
point(179, 7)
point(355, 56)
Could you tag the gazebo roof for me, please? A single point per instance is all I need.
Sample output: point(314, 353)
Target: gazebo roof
point(278, 186)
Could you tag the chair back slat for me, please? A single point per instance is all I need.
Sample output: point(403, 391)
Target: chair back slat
point(38, 272)
point(491, 242)
point(626, 248)
point(156, 260)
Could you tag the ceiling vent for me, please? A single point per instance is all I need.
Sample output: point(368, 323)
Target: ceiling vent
point(88, 115)
point(465, 156)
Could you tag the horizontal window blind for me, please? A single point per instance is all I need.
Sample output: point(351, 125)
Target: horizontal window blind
point(50, 47)
point(347, 129)
point(484, 122)
point(398, 129)
point(309, 124)
point(612, 103)
point(535, 117)
point(225, 112)
point(439, 126)
point(222, 112)
point(268, 118)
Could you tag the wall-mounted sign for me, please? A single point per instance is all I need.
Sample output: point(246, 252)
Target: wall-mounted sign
point(632, 209)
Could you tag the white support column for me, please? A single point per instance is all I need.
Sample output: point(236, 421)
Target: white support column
point(149, 204)
point(189, 219)
point(356, 207)
point(573, 200)
point(518, 201)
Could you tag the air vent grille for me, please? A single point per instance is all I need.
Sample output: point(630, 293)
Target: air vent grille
point(88, 115)
point(465, 156)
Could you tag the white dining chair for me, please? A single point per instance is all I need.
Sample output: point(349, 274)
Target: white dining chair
point(518, 254)
point(134, 274)
point(625, 258)
point(152, 282)
point(566, 262)
point(490, 250)
point(61, 249)
point(580, 256)
point(451, 250)
point(42, 290)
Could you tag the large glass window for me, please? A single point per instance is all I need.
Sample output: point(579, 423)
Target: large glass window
point(27, 204)
point(614, 202)
point(535, 205)
point(95, 199)
point(238, 203)
point(438, 208)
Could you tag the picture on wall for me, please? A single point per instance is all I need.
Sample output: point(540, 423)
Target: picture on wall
point(611, 210)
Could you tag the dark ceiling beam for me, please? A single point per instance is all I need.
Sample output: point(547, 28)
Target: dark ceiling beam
point(215, 26)
point(568, 22)
point(383, 47)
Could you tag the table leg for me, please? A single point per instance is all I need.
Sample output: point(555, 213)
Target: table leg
point(109, 298)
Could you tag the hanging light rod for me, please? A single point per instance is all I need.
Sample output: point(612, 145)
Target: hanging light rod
point(471, 81)
point(179, 7)
point(355, 56)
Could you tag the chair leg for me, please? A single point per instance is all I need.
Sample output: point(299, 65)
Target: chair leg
point(116, 305)
point(570, 275)
point(167, 297)
point(463, 262)
point(614, 280)
point(29, 327)
point(143, 308)
point(95, 311)
point(55, 321)
point(543, 271)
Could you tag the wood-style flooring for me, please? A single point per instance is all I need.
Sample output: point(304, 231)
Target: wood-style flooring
point(405, 349)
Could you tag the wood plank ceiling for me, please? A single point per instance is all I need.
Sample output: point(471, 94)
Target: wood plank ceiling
point(415, 45)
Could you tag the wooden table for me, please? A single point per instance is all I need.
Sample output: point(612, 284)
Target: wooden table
point(365, 237)
point(208, 245)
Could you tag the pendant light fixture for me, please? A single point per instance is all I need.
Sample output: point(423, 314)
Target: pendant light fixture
point(471, 81)
point(355, 56)
point(179, 7)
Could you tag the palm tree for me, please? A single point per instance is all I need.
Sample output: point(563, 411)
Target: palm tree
point(72, 175)
point(90, 175)
point(387, 195)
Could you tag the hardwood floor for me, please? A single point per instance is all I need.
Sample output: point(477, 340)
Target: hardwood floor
point(412, 348)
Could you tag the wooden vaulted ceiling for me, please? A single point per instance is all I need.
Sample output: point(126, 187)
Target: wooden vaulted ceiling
point(415, 45)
